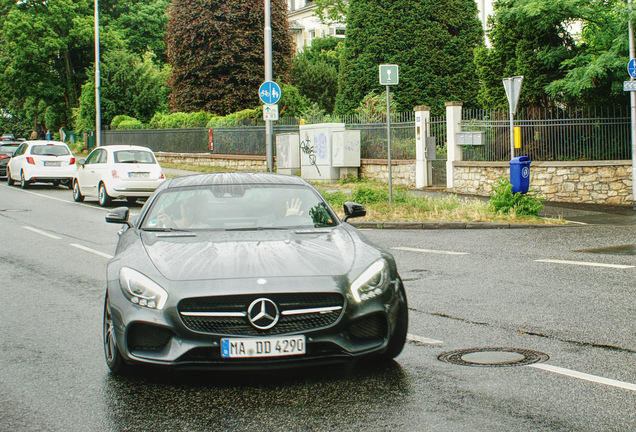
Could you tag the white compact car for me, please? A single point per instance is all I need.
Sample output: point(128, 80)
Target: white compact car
point(42, 161)
point(117, 172)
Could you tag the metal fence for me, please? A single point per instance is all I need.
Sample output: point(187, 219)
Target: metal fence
point(592, 133)
point(249, 139)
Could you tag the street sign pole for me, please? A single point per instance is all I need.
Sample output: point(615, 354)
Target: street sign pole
point(389, 75)
point(98, 106)
point(388, 136)
point(512, 86)
point(269, 152)
point(632, 98)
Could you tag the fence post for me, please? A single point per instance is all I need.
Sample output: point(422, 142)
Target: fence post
point(453, 126)
point(422, 119)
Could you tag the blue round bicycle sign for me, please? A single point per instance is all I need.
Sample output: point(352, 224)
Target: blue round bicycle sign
point(269, 92)
point(631, 68)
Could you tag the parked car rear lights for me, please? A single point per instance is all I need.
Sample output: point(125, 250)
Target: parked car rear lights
point(30, 160)
point(114, 174)
point(72, 161)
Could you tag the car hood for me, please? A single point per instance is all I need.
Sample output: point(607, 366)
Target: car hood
point(245, 254)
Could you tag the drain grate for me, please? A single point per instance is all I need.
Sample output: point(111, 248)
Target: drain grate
point(13, 210)
point(493, 357)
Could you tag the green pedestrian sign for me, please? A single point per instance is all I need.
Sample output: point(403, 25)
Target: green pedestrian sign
point(389, 74)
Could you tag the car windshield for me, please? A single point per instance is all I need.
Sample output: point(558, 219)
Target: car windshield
point(239, 207)
point(134, 156)
point(50, 150)
point(8, 149)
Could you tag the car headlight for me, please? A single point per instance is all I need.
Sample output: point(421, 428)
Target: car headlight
point(141, 290)
point(372, 282)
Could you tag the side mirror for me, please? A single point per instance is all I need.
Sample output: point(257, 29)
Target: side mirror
point(81, 162)
point(353, 210)
point(119, 215)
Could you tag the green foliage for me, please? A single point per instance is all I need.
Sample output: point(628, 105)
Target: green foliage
point(504, 201)
point(532, 38)
point(120, 119)
point(336, 199)
point(215, 48)
point(331, 11)
point(373, 106)
point(291, 103)
point(246, 116)
point(131, 85)
point(431, 41)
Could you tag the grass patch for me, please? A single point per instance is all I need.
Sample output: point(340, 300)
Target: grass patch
point(406, 207)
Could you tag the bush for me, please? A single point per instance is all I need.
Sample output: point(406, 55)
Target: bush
point(117, 120)
point(504, 201)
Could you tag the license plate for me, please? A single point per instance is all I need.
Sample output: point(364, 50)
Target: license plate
point(49, 163)
point(262, 347)
point(138, 175)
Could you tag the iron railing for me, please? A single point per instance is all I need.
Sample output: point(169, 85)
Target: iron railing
point(572, 134)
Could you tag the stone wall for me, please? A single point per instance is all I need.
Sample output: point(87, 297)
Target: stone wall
point(602, 182)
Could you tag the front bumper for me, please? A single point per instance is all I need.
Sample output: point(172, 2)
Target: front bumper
point(168, 338)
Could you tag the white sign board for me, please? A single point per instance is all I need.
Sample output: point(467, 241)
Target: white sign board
point(270, 112)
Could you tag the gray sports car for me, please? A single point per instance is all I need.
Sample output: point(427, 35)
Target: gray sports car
point(247, 271)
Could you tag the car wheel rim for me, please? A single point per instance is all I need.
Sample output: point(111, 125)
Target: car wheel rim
point(75, 191)
point(110, 348)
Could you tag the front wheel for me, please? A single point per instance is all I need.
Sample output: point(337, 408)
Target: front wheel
point(398, 338)
point(114, 359)
point(77, 194)
point(104, 199)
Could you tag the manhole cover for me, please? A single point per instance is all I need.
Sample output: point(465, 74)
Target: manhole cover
point(493, 357)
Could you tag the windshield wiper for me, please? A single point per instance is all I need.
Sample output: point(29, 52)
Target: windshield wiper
point(256, 229)
point(166, 229)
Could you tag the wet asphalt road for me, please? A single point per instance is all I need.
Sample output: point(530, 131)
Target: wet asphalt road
point(523, 288)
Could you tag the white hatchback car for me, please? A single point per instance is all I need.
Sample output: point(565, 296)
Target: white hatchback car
point(117, 172)
point(42, 161)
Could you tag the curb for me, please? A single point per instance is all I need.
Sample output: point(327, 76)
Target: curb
point(448, 225)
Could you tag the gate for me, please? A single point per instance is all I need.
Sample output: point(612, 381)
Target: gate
point(437, 129)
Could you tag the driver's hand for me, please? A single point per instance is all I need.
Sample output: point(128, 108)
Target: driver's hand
point(293, 207)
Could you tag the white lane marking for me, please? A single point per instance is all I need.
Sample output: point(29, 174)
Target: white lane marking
point(42, 233)
point(64, 201)
point(584, 376)
point(408, 249)
point(420, 339)
point(583, 263)
point(93, 251)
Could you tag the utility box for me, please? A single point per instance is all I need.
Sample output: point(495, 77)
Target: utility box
point(288, 153)
point(470, 138)
point(346, 149)
point(316, 151)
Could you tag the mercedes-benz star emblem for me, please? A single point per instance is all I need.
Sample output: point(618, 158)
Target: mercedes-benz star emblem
point(263, 313)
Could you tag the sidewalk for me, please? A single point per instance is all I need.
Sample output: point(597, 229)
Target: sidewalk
point(590, 214)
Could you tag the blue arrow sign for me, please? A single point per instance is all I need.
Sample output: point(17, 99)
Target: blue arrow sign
point(269, 92)
point(631, 68)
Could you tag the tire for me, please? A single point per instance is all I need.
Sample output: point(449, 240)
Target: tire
point(398, 338)
point(104, 199)
point(114, 359)
point(23, 183)
point(10, 181)
point(77, 194)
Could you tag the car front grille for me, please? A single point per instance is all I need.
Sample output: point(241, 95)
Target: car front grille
point(227, 315)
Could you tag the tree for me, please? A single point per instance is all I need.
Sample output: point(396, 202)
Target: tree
point(44, 58)
point(332, 11)
point(533, 38)
point(315, 72)
point(130, 85)
point(432, 41)
point(216, 50)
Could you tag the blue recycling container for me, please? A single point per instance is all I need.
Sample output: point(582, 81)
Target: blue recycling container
point(520, 174)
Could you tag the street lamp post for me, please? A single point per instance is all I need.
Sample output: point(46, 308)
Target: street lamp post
point(268, 77)
point(98, 108)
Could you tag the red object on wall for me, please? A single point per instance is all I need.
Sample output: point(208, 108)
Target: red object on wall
point(211, 139)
